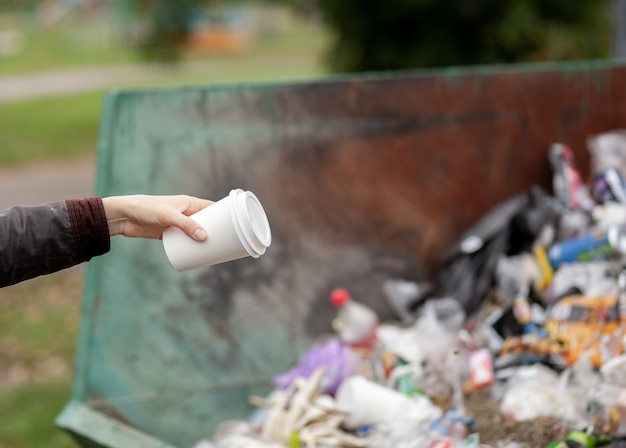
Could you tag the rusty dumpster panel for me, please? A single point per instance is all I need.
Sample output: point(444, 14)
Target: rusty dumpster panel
point(363, 178)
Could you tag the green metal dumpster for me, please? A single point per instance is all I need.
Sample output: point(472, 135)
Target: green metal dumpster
point(363, 178)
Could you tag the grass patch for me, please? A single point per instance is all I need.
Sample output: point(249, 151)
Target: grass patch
point(31, 315)
point(28, 414)
point(39, 322)
point(49, 127)
point(61, 48)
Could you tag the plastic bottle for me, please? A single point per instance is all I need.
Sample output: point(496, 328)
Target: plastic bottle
point(593, 246)
point(355, 323)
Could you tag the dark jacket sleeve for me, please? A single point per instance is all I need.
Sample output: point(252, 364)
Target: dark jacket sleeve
point(38, 240)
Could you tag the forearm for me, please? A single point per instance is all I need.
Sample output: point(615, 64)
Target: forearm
point(43, 239)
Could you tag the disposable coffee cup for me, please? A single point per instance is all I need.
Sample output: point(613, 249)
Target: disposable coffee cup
point(236, 227)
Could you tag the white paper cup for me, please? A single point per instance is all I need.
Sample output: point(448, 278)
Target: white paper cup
point(368, 403)
point(236, 227)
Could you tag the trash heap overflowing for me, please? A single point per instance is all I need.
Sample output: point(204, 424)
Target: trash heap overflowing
point(519, 343)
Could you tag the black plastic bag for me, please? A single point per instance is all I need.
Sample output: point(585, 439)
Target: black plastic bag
point(467, 269)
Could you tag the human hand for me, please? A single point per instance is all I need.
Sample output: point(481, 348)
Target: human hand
point(144, 216)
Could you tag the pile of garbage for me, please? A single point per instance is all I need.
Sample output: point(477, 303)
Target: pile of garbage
point(519, 343)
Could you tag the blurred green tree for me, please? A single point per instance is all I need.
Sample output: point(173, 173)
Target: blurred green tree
point(374, 35)
point(167, 24)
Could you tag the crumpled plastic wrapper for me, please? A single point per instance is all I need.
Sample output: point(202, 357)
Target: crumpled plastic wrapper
point(333, 355)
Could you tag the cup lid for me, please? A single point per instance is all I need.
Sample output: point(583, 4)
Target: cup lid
point(250, 222)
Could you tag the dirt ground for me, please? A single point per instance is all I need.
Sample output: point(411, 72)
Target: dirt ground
point(493, 427)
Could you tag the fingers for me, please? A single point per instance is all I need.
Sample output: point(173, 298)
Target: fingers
point(189, 226)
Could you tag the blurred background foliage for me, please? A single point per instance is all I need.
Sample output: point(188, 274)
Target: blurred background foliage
point(370, 35)
point(366, 35)
point(406, 34)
